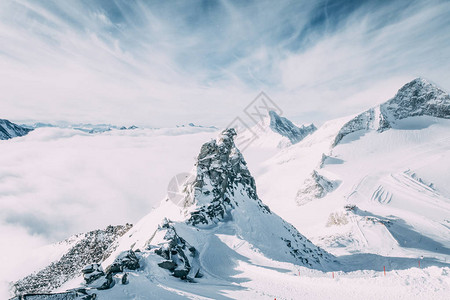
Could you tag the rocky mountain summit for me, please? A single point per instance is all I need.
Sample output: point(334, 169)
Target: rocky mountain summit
point(288, 129)
point(416, 98)
point(9, 130)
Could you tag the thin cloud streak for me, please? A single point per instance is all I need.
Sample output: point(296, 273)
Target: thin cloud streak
point(160, 64)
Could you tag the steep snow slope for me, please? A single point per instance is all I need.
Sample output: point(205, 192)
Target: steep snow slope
point(397, 177)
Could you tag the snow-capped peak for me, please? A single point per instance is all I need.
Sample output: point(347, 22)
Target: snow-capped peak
point(10, 130)
point(416, 98)
point(288, 129)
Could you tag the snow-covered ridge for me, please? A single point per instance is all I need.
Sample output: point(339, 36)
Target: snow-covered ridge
point(9, 130)
point(416, 98)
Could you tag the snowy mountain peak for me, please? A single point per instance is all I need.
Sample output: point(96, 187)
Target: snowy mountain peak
point(9, 130)
point(415, 99)
point(288, 129)
point(221, 171)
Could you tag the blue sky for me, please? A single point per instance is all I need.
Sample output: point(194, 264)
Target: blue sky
point(161, 63)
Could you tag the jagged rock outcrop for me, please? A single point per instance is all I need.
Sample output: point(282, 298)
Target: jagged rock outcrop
point(92, 272)
point(317, 186)
point(126, 260)
point(220, 167)
point(363, 121)
point(9, 130)
point(180, 258)
point(416, 98)
point(225, 191)
point(88, 248)
point(287, 129)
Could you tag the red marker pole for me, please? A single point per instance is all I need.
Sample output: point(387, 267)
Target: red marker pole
point(384, 268)
point(333, 274)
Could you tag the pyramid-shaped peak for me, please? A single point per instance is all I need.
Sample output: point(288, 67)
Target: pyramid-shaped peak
point(286, 128)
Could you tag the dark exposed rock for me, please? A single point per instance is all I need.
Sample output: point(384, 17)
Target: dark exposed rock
point(168, 264)
point(125, 260)
point(220, 168)
point(9, 130)
point(181, 259)
point(69, 295)
point(416, 98)
point(92, 272)
point(108, 282)
point(287, 129)
point(124, 279)
point(88, 248)
point(363, 121)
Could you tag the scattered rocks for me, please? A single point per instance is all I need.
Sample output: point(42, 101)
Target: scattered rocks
point(180, 258)
point(92, 272)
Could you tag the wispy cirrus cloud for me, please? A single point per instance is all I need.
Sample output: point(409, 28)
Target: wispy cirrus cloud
point(158, 63)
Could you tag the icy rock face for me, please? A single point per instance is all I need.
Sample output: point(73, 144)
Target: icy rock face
point(287, 129)
point(221, 172)
point(416, 98)
point(315, 187)
point(363, 121)
point(88, 248)
point(10, 130)
point(180, 258)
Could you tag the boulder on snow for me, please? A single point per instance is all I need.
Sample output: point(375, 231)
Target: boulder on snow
point(125, 260)
point(180, 258)
point(92, 272)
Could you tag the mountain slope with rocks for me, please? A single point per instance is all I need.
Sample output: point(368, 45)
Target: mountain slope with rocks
point(194, 241)
point(91, 247)
point(9, 130)
point(415, 99)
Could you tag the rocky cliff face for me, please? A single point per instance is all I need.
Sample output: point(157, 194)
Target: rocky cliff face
point(10, 130)
point(287, 129)
point(224, 192)
point(416, 98)
point(221, 172)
